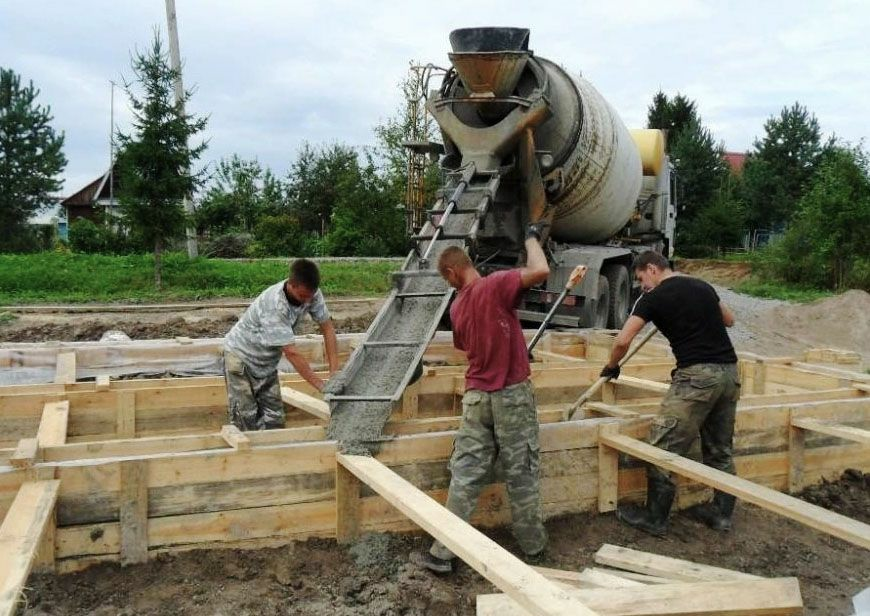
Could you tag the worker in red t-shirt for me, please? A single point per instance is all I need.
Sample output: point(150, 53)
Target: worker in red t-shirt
point(499, 419)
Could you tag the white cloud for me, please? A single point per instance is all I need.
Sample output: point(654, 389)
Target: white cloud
point(272, 74)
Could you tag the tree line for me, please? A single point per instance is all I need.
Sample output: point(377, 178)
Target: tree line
point(810, 192)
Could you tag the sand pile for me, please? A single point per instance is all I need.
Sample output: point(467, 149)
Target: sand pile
point(840, 322)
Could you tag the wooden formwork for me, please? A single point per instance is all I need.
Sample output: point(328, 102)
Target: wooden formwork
point(117, 470)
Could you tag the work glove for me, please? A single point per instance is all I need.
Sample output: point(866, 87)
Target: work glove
point(610, 373)
point(536, 229)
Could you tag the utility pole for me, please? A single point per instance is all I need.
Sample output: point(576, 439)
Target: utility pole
point(111, 151)
point(175, 58)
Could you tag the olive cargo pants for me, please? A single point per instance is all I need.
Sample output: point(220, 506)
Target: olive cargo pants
point(502, 424)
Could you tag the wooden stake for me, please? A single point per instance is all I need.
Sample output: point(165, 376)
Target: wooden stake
point(134, 512)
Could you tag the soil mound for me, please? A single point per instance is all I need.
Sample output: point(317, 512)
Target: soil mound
point(847, 495)
point(838, 322)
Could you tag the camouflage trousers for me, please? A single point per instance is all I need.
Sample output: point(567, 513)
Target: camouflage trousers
point(499, 425)
point(702, 400)
point(253, 403)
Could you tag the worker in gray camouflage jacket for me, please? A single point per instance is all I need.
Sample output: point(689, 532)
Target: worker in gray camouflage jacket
point(253, 347)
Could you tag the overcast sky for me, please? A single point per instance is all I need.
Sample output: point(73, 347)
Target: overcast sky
point(272, 74)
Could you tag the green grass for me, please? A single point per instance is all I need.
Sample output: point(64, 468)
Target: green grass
point(780, 290)
point(69, 278)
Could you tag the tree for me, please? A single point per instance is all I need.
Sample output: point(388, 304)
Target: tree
point(313, 184)
point(240, 193)
point(366, 221)
point(827, 244)
point(700, 169)
point(31, 157)
point(782, 163)
point(154, 161)
point(672, 115)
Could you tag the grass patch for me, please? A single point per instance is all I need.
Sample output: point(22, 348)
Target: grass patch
point(6, 317)
point(780, 290)
point(71, 278)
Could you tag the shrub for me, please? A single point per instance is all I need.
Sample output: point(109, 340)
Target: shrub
point(228, 246)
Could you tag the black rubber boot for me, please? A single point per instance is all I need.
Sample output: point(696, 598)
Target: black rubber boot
point(433, 564)
point(653, 518)
point(717, 513)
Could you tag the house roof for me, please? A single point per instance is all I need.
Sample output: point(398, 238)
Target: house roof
point(98, 189)
point(735, 161)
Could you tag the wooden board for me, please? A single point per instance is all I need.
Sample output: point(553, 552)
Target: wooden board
point(528, 588)
point(848, 433)
point(815, 517)
point(743, 598)
point(304, 402)
point(664, 566)
point(20, 536)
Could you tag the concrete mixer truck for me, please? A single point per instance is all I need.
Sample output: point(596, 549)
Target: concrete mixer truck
point(561, 151)
point(522, 138)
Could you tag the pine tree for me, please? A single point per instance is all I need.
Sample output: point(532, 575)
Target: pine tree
point(782, 163)
point(154, 161)
point(671, 115)
point(31, 158)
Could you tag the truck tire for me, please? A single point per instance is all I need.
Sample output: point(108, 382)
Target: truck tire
point(602, 306)
point(619, 285)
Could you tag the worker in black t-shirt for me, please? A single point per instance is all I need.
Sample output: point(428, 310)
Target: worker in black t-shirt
point(704, 386)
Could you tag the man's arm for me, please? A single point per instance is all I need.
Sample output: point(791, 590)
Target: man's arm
point(623, 340)
point(727, 315)
point(327, 329)
point(303, 367)
point(536, 270)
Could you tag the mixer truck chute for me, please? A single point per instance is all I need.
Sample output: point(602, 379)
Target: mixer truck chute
point(560, 150)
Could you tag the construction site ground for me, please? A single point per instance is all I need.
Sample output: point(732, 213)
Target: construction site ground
point(373, 575)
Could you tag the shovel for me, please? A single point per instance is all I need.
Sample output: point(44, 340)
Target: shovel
point(574, 279)
point(602, 380)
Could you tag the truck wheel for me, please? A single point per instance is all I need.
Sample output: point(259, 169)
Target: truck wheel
point(620, 294)
point(602, 306)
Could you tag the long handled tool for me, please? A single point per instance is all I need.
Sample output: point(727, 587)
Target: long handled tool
point(574, 279)
point(602, 380)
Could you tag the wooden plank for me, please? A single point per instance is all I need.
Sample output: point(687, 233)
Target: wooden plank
point(665, 566)
point(133, 517)
point(53, 425)
point(65, 370)
point(588, 578)
point(125, 418)
point(347, 505)
point(529, 588)
point(796, 443)
point(612, 410)
point(20, 536)
point(848, 433)
point(608, 471)
point(25, 453)
point(743, 598)
point(637, 577)
point(235, 438)
point(815, 517)
point(304, 402)
point(646, 384)
point(102, 383)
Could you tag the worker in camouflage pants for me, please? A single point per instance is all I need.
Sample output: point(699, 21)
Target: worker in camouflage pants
point(499, 420)
point(255, 344)
point(702, 398)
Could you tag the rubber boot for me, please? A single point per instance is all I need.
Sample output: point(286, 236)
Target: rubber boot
point(653, 518)
point(717, 513)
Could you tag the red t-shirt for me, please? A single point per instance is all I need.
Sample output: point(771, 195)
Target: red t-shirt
point(486, 327)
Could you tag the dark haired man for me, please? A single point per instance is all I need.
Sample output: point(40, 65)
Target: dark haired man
point(253, 347)
point(499, 419)
point(704, 386)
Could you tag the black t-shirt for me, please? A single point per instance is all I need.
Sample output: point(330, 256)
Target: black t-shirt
point(686, 311)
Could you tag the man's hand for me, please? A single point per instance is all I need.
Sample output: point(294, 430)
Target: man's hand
point(610, 372)
point(536, 229)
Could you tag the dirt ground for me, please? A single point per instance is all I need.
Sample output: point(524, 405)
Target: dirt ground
point(373, 577)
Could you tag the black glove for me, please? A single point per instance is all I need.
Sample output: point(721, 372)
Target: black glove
point(610, 373)
point(536, 229)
